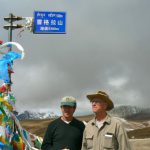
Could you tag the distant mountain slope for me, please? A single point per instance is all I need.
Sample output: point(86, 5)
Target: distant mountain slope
point(131, 112)
point(127, 112)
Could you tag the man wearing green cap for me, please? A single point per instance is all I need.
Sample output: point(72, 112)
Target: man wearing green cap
point(103, 131)
point(66, 132)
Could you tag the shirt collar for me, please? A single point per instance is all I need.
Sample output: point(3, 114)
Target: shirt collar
point(106, 120)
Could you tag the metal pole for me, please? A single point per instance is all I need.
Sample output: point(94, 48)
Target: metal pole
point(10, 29)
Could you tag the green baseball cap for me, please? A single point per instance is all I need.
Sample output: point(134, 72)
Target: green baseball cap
point(68, 101)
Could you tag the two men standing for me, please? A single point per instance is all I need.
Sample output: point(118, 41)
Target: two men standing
point(101, 133)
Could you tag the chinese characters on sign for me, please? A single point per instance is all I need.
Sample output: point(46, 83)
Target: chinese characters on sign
point(49, 22)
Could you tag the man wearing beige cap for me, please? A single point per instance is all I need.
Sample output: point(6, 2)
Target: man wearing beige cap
point(66, 132)
point(103, 131)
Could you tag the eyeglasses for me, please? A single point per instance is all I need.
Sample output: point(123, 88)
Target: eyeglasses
point(97, 101)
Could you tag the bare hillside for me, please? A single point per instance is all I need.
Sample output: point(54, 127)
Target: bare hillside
point(136, 129)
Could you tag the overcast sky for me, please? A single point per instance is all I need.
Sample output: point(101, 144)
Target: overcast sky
point(106, 47)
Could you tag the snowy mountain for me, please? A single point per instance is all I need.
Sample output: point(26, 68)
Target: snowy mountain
point(36, 115)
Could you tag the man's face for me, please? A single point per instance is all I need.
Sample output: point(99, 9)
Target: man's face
point(67, 111)
point(98, 106)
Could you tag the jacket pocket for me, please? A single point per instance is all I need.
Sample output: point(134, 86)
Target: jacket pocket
point(89, 140)
point(108, 141)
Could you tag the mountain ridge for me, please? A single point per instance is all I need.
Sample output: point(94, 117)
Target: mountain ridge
point(124, 111)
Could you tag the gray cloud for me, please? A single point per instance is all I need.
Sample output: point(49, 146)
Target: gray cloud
point(106, 47)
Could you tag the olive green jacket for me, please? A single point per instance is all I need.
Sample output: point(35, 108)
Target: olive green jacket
point(111, 136)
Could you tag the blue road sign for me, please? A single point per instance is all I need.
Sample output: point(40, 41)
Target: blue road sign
point(49, 22)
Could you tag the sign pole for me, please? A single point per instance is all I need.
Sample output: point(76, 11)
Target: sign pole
point(10, 29)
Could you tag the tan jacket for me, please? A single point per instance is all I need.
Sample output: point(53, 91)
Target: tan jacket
point(111, 136)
